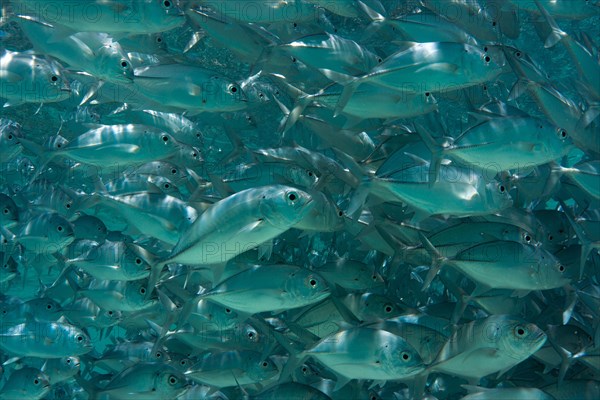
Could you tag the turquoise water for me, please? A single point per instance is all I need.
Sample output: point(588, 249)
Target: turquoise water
point(234, 141)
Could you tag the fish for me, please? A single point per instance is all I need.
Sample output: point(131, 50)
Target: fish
point(386, 357)
point(26, 383)
point(300, 199)
point(200, 91)
point(504, 339)
point(28, 78)
point(216, 236)
point(287, 287)
point(60, 340)
point(426, 67)
point(95, 53)
point(114, 16)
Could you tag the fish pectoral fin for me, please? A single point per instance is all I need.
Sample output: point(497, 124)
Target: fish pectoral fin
point(340, 382)
point(128, 148)
point(194, 90)
point(439, 67)
point(265, 250)
point(10, 77)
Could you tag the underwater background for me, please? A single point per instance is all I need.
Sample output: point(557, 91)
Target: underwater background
point(300, 199)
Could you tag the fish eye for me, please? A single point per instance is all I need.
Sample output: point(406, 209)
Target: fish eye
point(79, 338)
point(183, 362)
point(313, 283)
point(167, 4)
point(561, 268)
point(520, 331)
point(502, 189)
point(265, 364)
point(142, 290)
point(59, 228)
point(405, 356)
point(159, 40)
point(228, 310)
point(233, 88)
point(48, 306)
point(54, 78)
point(110, 312)
point(487, 59)
point(173, 380)
point(310, 173)
point(550, 237)
point(165, 138)
point(250, 335)
point(518, 54)
point(166, 186)
point(158, 354)
point(562, 134)
point(379, 60)
point(527, 238)
point(340, 213)
point(292, 196)
point(124, 64)
point(68, 205)
point(68, 361)
point(173, 171)
point(36, 382)
point(388, 308)
point(294, 59)
point(138, 261)
point(5, 211)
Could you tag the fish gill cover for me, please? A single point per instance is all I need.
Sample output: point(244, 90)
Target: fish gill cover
point(324, 199)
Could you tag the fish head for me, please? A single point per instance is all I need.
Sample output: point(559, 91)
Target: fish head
point(260, 369)
point(89, 227)
point(125, 69)
point(81, 342)
point(162, 14)
point(69, 363)
point(51, 78)
point(518, 338)
point(552, 272)
point(133, 264)
point(397, 356)
point(170, 381)
point(31, 381)
point(301, 176)
point(224, 93)
point(304, 284)
point(10, 213)
point(497, 195)
point(484, 63)
point(284, 206)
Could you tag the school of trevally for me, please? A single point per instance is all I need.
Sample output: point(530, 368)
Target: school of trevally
point(300, 199)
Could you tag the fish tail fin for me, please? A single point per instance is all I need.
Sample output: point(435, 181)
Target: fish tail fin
point(295, 357)
point(302, 100)
point(360, 197)
point(238, 145)
point(87, 386)
point(586, 244)
point(372, 9)
point(556, 34)
point(155, 270)
point(520, 87)
point(347, 93)
point(44, 156)
point(437, 152)
point(437, 261)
